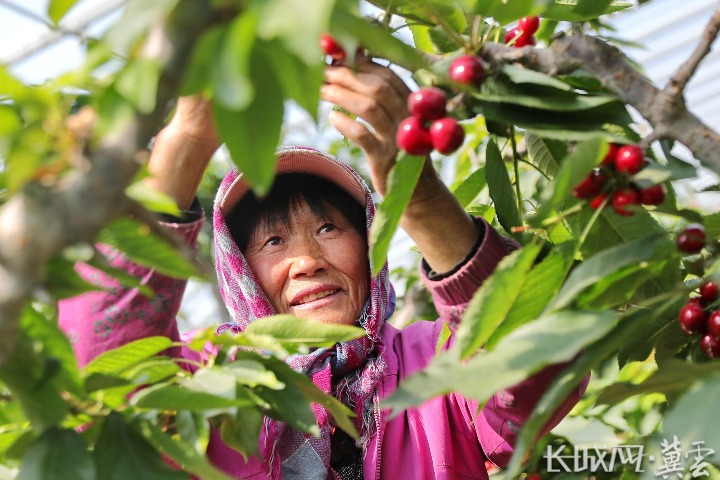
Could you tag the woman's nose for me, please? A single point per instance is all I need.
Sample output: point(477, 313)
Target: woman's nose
point(307, 260)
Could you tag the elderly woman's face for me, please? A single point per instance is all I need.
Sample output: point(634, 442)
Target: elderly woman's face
point(312, 268)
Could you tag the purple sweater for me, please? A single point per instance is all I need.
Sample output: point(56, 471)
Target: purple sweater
point(445, 438)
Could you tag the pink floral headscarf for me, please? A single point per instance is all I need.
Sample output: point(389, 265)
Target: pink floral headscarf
point(354, 367)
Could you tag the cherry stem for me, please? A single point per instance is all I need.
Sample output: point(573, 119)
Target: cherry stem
point(561, 216)
point(445, 26)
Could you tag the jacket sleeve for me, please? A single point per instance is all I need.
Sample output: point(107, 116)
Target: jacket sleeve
point(101, 320)
point(452, 292)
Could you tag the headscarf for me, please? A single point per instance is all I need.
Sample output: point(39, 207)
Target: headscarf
point(354, 367)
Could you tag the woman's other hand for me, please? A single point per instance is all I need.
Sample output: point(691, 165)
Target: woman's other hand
point(183, 150)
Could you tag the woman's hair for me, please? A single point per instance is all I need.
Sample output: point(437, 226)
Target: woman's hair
point(287, 192)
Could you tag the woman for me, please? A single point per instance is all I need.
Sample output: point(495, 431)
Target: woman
point(303, 250)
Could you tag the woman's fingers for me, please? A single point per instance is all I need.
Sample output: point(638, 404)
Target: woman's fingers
point(373, 81)
point(366, 107)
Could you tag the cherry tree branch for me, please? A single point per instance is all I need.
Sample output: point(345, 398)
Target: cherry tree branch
point(685, 72)
point(669, 117)
point(40, 221)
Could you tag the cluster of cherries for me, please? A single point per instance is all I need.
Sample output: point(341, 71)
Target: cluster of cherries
point(524, 33)
point(697, 317)
point(429, 127)
point(612, 179)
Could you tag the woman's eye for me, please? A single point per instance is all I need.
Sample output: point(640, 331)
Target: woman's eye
point(273, 241)
point(328, 227)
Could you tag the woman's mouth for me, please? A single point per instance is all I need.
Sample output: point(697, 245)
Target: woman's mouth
point(315, 296)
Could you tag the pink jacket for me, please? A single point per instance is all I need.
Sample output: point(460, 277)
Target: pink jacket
point(445, 438)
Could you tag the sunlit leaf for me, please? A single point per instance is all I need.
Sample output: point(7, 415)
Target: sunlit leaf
point(400, 186)
point(493, 300)
point(128, 355)
point(288, 329)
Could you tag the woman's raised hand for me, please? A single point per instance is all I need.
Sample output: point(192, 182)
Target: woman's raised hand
point(378, 96)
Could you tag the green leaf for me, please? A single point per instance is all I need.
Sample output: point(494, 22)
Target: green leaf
point(152, 371)
point(551, 339)
point(653, 325)
point(526, 77)
point(300, 82)
point(138, 83)
point(252, 134)
point(504, 11)
point(672, 378)
point(376, 39)
point(62, 279)
point(122, 454)
point(619, 288)
point(605, 263)
point(538, 288)
point(58, 8)
point(137, 241)
point(501, 190)
point(544, 154)
point(179, 451)
point(612, 229)
point(470, 187)
point(592, 8)
point(493, 300)
point(209, 389)
point(400, 186)
point(574, 168)
point(290, 330)
point(242, 431)
point(56, 346)
point(692, 417)
point(580, 10)
point(153, 199)
point(126, 356)
point(32, 376)
point(443, 338)
point(57, 455)
point(298, 25)
point(203, 60)
point(229, 76)
point(253, 373)
point(302, 384)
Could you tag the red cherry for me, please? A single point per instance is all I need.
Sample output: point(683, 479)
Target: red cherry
point(413, 137)
point(693, 318)
point(529, 24)
point(696, 301)
point(446, 135)
point(654, 195)
point(521, 39)
point(591, 185)
point(709, 291)
point(331, 47)
point(428, 103)
point(468, 70)
point(609, 159)
point(597, 201)
point(710, 345)
point(623, 198)
point(692, 239)
point(630, 159)
point(713, 324)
